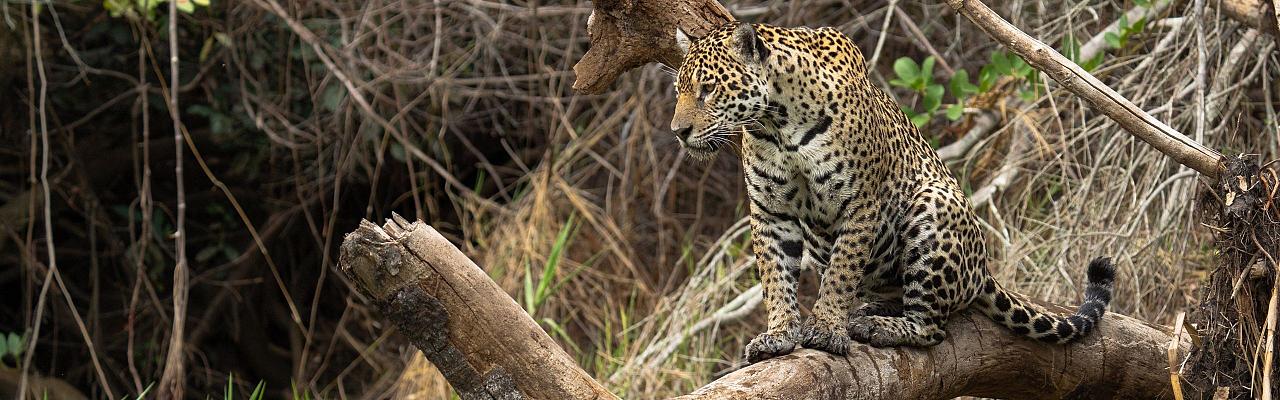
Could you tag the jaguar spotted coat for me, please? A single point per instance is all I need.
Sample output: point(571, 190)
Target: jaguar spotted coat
point(841, 181)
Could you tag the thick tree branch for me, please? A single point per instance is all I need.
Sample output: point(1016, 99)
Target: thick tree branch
point(479, 338)
point(1124, 359)
point(626, 34)
point(487, 347)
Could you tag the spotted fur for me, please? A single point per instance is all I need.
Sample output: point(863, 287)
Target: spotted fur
point(840, 180)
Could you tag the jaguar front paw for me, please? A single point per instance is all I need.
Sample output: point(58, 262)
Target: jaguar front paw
point(828, 337)
point(769, 345)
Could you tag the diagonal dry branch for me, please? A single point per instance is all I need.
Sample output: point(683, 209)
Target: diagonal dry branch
point(1167, 140)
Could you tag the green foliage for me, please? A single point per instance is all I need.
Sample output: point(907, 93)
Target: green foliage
point(1117, 40)
point(534, 296)
point(258, 391)
point(304, 395)
point(147, 8)
point(919, 78)
point(961, 89)
point(11, 344)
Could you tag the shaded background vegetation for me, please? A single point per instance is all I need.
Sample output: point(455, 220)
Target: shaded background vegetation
point(460, 113)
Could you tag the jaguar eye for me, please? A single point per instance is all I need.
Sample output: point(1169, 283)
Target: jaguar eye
point(703, 91)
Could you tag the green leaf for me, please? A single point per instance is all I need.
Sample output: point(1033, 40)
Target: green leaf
point(207, 253)
point(1138, 25)
point(222, 39)
point(1028, 94)
point(4, 350)
point(932, 98)
point(900, 83)
point(1093, 63)
point(206, 48)
point(999, 63)
point(1020, 68)
point(987, 78)
point(553, 262)
point(955, 111)
point(185, 6)
point(332, 97)
point(920, 119)
point(231, 378)
point(926, 72)
point(1112, 39)
point(397, 152)
point(117, 7)
point(960, 85)
point(15, 345)
point(258, 391)
point(906, 69)
point(1070, 48)
point(145, 390)
point(528, 289)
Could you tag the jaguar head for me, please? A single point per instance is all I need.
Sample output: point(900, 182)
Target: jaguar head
point(720, 88)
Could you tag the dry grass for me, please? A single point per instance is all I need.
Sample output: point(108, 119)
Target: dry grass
point(465, 118)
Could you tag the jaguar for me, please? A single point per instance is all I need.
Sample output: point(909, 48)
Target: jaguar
point(840, 181)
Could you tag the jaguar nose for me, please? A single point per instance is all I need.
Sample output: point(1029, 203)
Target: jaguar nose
point(682, 133)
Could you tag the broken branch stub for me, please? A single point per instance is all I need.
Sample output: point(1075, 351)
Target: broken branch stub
point(626, 34)
point(483, 343)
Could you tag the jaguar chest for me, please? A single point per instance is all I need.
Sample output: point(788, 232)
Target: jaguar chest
point(812, 184)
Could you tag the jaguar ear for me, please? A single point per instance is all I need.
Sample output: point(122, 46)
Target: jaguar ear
point(750, 47)
point(683, 41)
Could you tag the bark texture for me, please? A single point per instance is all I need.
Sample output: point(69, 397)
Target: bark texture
point(479, 338)
point(1124, 359)
point(1258, 14)
point(487, 347)
point(626, 34)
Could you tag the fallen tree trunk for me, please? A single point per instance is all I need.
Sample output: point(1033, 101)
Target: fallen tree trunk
point(488, 347)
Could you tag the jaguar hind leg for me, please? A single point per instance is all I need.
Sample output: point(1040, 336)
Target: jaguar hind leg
point(937, 271)
point(915, 320)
